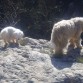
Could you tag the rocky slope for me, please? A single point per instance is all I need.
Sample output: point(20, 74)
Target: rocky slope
point(31, 63)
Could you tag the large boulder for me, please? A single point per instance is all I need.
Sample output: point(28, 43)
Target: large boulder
point(32, 63)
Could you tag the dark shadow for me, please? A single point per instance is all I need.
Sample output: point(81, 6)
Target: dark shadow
point(73, 53)
point(67, 60)
point(13, 45)
point(3, 48)
point(60, 64)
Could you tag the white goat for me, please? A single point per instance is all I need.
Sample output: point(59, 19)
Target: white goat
point(11, 34)
point(67, 31)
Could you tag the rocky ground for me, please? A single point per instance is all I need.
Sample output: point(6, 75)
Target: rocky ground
point(31, 62)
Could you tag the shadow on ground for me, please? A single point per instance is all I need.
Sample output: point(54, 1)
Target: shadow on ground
point(67, 60)
point(11, 45)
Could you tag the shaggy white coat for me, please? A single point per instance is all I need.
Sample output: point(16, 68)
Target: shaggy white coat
point(11, 34)
point(66, 31)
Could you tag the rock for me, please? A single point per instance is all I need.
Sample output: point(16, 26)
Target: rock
point(31, 63)
point(27, 40)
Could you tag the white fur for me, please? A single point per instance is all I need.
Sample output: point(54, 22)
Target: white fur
point(18, 34)
point(11, 34)
point(64, 31)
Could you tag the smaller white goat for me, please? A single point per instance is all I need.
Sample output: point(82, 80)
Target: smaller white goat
point(11, 34)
